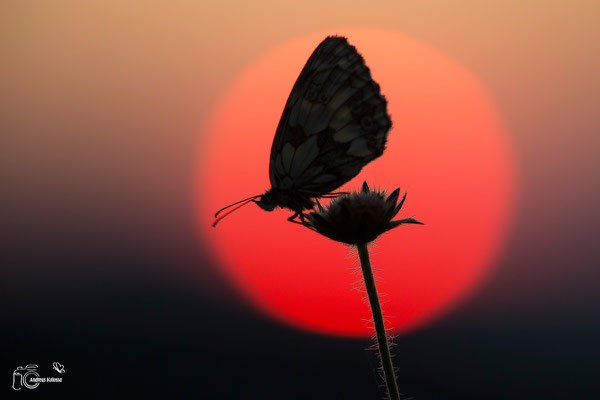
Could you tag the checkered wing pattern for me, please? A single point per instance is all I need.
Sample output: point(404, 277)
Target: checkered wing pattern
point(334, 123)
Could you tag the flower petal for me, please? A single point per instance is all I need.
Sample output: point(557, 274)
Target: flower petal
point(365, 187)
point(409, 221)
point(399, 206)
point(393, 197)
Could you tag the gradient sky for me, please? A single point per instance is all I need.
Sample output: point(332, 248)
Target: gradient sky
point(102, 104)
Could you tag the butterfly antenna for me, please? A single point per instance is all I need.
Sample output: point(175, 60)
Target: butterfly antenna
point(244, 202)
point(237, 202)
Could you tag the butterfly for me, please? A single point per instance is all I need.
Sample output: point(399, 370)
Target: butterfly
point(334, 123)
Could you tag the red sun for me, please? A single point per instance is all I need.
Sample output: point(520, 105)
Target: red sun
point(447, 148)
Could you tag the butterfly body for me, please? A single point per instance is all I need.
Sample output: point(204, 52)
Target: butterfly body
point(335, 122)
point(283, 198)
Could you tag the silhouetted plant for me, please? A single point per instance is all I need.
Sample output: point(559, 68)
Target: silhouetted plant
point(358, 219)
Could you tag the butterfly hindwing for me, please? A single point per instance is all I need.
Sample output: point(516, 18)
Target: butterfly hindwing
point(334, 122)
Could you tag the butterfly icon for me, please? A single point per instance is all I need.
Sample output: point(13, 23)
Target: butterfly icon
point(334, 123)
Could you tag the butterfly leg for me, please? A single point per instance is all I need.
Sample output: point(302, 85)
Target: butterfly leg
point(305, 222)
point(293, 218)
point(300, 215)
point(334, 195)
point(319, 206)
point(303, 218)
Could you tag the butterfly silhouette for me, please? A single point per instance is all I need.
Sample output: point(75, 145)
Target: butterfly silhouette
point(334, 123)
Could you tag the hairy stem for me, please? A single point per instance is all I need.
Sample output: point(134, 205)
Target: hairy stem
point(382, 340)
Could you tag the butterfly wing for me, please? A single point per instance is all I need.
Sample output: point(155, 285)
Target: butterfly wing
point(334, 122)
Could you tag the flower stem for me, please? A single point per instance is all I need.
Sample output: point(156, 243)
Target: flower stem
point(382, 340)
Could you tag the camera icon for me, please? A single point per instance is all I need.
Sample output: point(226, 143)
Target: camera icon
point(22, 377)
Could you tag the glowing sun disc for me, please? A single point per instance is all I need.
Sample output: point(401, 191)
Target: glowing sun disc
point(448, 148)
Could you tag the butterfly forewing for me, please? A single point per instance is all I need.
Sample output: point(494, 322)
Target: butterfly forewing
point(334, 122)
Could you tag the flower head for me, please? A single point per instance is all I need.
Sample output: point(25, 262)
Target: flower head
point(358, 217)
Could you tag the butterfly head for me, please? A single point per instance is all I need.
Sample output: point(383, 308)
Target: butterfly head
point(266, 202)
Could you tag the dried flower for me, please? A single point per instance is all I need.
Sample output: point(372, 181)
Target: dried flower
point(358, 217)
